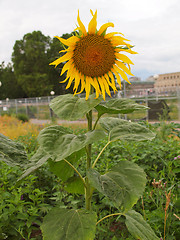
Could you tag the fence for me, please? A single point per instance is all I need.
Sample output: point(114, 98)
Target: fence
point(166, 102)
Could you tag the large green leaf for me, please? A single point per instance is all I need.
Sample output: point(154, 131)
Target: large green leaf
point(119, 129)
point(74, 185)
point(62, 169)
point(12, 153)
point(123, 184)
point(60, 143)
point(138, 227)
point(71, 107)
point(119, 105)
point(69, 224)
point(37, 160)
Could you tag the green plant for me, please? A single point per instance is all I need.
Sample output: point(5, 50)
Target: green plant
point(21, 207)
point(122, 185)
point(22, 117)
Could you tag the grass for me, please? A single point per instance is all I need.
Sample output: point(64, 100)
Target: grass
point(159, 158)
point(14, 128)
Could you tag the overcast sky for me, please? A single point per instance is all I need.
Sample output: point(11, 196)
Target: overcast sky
point(153, 26)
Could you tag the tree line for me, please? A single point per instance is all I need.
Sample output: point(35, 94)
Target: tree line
point(29, 74)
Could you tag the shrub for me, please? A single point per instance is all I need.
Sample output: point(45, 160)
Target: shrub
point(21, 207)
point(22, 117)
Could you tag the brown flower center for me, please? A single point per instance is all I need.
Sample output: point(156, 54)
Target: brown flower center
point(94, 55)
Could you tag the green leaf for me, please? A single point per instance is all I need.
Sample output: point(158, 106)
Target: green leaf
point(71, 107)
point(60, 143)
point(123, 184)
point(74, 185)
point(37, 160)
point(138, 227)
point(61, 169)
point(69, 224)
point(12, 153)
point(119, 129)
point(119, 106)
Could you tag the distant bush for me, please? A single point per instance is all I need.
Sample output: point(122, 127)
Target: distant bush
point(22, 117)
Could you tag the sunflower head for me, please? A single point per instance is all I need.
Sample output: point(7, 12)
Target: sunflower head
point(95, 59)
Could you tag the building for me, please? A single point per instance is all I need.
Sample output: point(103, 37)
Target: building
point(141, 85)
point(167, 81)
point(134, 79)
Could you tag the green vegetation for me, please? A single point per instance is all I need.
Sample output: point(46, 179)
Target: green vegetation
point(29, 74)
point(23, 206)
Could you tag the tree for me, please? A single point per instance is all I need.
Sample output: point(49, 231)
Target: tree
point(10, 87)
point(31, 57)
point(54, 73)
point(30, 63)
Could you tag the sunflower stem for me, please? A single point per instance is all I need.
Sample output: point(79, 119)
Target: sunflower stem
point(88, 189)
point(88, 193)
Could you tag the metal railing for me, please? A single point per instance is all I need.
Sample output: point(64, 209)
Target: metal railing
point(38, 107)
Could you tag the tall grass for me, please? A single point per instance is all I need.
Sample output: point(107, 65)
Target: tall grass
point(13, 128)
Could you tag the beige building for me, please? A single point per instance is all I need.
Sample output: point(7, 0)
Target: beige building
point(168, 81)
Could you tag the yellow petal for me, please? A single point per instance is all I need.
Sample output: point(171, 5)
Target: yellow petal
point(62, 51)
point(102, 87)
point(81, 25)
point(64, 58)
point(123, 58)
point(92, 82)
point(77, 81)
point(95, 84)
point(87, 89)
point(111, 84)
point(104, 27)
point(106, 86)
point(112, 78)
point(118, 49)
point(121, 38)
point(68, 74)
point(66, 66)
point(110, 35)
point(93, 24)
point(123, 67)
point(123, 75)
point(117, 77)
point(82, 83)
point(68, 42)
point(64, 80)
point(70, 81)
point(116, 41)
point(71, 74)
point(91, 12)
point(129, 67)
point(111, 75)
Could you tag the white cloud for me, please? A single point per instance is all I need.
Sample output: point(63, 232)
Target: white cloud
point(152, 25)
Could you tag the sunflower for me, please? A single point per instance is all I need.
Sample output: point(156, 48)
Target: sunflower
point(95, 59)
